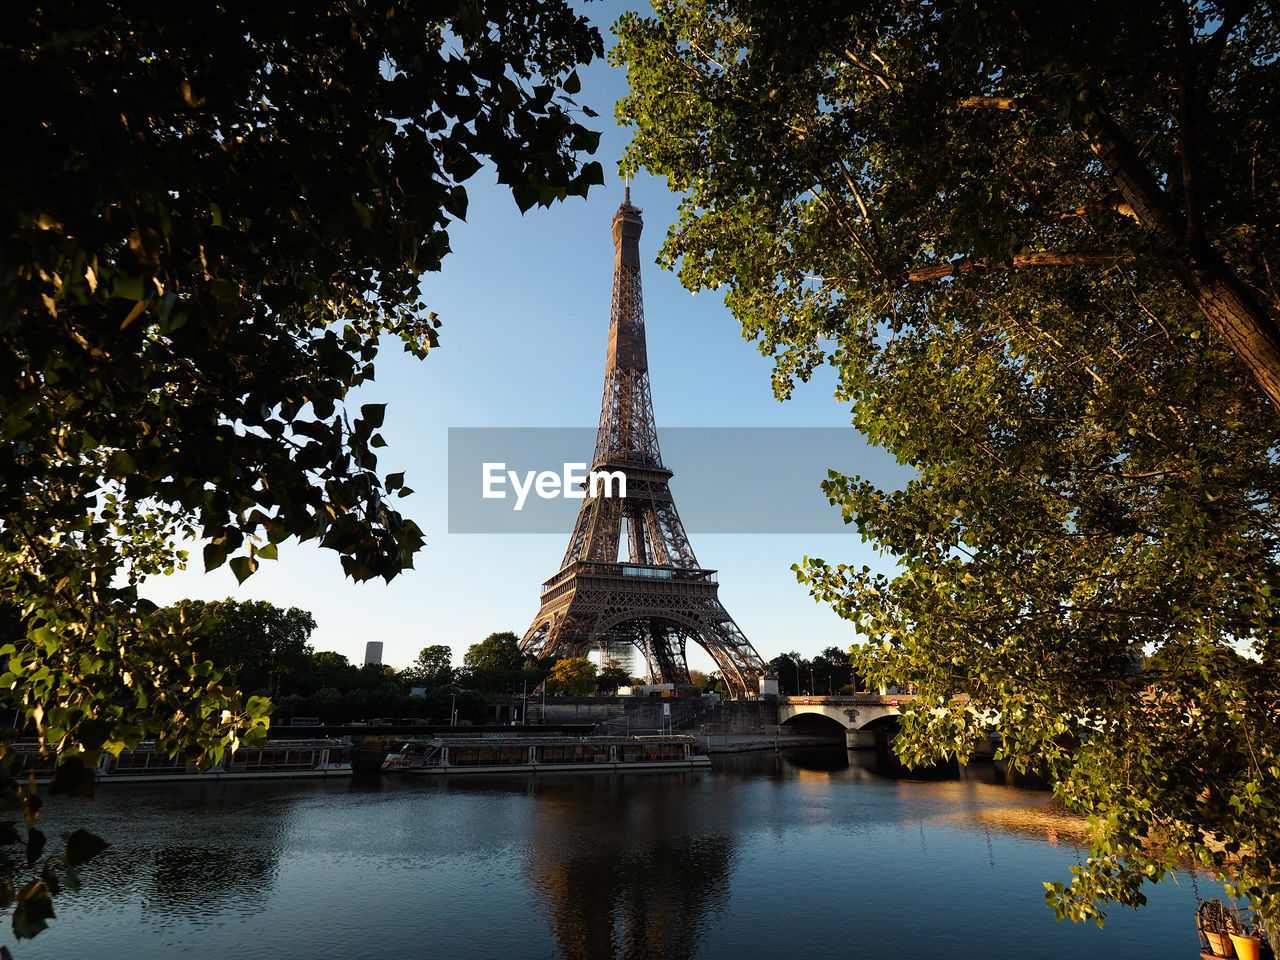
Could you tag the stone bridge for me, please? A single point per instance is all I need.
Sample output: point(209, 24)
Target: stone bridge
point(863, 716)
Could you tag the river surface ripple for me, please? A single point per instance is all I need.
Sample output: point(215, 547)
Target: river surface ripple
point(794, 855)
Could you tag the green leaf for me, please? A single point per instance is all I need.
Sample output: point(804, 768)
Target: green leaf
point(93, 733)
point(73, 778)
point(120, 464)
point(32, 804)
point(35, 845)
point(128, 287)
point(363, 212)
point(215, 555)
point(33, 909)
point(225, 290)
point(82, 846)
point(243, 567)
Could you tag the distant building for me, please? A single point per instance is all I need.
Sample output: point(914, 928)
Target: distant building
point(373, 653)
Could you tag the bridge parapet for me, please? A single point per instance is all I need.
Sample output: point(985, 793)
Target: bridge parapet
point(857, 699)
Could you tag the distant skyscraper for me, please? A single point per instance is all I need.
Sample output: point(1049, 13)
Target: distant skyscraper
point(373, 653)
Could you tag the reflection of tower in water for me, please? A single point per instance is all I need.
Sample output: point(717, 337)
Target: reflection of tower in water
point(627, 871)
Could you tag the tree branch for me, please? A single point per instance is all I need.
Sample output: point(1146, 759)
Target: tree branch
point(1048, 258)
point(1211, 56)
point(1187, 121)
point(876, 74)
point(1113, 202)
point(1214, 287)
point(987, 103)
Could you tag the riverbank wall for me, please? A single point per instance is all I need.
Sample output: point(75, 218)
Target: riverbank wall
point(696, 715)
point(716, 743)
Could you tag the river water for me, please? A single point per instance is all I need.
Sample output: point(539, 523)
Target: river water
point(793, 855)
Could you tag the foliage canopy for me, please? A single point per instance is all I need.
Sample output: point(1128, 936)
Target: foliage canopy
point(1035, 241)
point(254, 643)
point(433, 667)
point(575, 676)
point(218, 213)
point(497, 653)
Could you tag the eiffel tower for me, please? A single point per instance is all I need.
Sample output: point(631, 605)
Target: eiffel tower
point(660, 598)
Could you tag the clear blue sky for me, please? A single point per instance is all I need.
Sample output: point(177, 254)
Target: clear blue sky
point(524, 302)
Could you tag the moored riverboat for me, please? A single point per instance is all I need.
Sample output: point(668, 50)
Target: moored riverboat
point(310, 758)
point(439, 755)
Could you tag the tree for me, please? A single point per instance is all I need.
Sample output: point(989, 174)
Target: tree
point(711, 682)
point(1037, 243)
point(495, 654)
point(575, 676)
point(254, 642)
point(333, 669)
point(612, 676)
point(832, 671)
point(218, 215)
point(433, 667)
point(1134, 142)
point(790, 668)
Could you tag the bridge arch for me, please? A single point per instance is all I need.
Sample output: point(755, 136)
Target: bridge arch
point(865, 718)
point(814, 724)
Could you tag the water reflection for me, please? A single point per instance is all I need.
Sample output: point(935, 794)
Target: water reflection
point(187, 852)
point(780, 855)
point(1031, 810)
point(872, 765)
point(647, 886)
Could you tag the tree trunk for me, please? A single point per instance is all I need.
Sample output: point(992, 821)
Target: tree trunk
point(1226, 302)
point(1245, 325)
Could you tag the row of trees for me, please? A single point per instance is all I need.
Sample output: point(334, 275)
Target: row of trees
point(829, 672)
point(263, 650)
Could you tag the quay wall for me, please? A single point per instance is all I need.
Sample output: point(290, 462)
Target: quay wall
point(688, 714)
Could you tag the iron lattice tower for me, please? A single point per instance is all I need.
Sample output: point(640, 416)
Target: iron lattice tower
point(659, 598)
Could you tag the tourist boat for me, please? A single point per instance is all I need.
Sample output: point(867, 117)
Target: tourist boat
point(545, 754)
point(312, 758)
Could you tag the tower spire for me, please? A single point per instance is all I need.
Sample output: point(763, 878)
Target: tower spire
point(659, 598)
